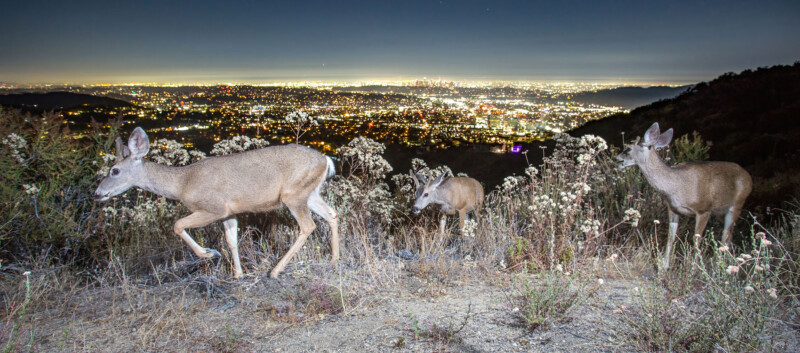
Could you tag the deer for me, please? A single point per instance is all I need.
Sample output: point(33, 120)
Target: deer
point(453, 194)
point(697, 189)
point(220, 187)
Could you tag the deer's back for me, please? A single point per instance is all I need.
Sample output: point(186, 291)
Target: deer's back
point(463, 192)
point(253, 181)
point(715, 186)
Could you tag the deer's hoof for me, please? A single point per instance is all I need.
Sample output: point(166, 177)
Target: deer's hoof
point(211, 253)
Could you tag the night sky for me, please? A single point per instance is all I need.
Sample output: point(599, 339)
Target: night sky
point(250, 41)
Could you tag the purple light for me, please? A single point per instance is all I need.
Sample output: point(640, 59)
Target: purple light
point(516, 148)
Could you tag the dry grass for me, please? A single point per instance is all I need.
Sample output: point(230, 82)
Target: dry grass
point(124, 281)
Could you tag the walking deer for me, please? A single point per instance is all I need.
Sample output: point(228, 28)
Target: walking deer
point(699, 188)
point(454, 194)
point(218, 188)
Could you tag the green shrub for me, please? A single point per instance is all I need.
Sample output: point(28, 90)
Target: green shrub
point(47, 183)
point(537, 305)
point(694, 150)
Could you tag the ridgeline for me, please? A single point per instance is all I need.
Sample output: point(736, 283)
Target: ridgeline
point(752, 118)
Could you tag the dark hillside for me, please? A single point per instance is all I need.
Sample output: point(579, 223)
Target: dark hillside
point(629, 97)
point(752, 118)
point(57, 100)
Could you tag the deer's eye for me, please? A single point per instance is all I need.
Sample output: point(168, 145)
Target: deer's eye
point(426, 195)
point(628, 150)
point(115, 171)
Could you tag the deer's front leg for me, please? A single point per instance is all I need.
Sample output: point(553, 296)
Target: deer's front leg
point(673, 232)
point(194, 220)
point(232, 237)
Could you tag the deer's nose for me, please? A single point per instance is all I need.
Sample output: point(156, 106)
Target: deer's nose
point(98, 196)
point(415, 209)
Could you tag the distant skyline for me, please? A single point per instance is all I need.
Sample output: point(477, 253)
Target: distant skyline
point(670, 42)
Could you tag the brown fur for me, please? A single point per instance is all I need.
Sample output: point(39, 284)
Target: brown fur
point(454, 194)
point(218, 188)
point(691, 189)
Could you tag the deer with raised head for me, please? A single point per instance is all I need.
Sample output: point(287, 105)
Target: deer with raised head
point(696, 189)
point(453, 194)
point(219, 188)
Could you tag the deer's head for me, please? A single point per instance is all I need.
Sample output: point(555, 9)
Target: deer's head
point(426, 191)
point(128, 168)
point(638, 153)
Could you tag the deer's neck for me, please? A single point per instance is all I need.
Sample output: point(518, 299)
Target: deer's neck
point(163, 180)
point(661, 176)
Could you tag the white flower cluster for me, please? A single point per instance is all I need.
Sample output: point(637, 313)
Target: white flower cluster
point(470, 225)
point(420, 167)
point(405, 186)
point(512, 183)
point(364, 191)
point(584, 149)
point(354, 195)
point(633, 216)
point(531, 171)
point(237, 144)
point(31, 189)
point(17, 145)
point(144, 214)
point(590, 227)
point(366, 156)
point(542, 204)
point(298, 121)
point(581, 187)
point(171, 152)
point(107, 161)
point(301, 118)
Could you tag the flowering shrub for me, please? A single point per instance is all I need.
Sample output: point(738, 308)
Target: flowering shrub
point(237, 144)
point(172, 153)
point(551, 208)
point(299, 122)
point(16, 145)
point(362, 191)
point(47, 178)
point(722, 303)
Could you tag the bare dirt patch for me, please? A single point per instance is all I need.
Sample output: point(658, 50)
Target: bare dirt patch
point(335, 312)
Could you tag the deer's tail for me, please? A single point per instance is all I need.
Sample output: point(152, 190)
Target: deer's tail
point(331, 170)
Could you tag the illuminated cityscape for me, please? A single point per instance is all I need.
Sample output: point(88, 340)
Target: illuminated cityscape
point(412, 113)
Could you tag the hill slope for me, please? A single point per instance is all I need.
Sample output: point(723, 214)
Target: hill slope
point(57, 100)
point(629, 97)
point(752, 118)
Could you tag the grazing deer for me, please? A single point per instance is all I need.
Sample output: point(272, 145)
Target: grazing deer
point(453, 194)
point(218, 188)
point(699, 188)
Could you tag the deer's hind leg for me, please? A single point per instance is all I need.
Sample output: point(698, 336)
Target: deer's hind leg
point(194, 220)
point(730, 218)
point(302, 214)
point(319, 207)
point(232, 237)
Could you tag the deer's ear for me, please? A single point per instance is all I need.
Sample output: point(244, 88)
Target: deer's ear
point(437, 181)
point(122, 150)
point(413, 177)
point(664, 139)
point(138, 143)
point(651, 135)
point(421, 178)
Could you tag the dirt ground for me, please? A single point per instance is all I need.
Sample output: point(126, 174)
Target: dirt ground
point(390, 314)
point(260, 314)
